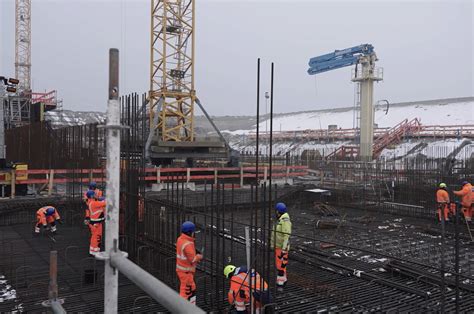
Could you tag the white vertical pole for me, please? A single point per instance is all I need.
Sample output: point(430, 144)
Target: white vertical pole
point(247, 246)
point(113, 184)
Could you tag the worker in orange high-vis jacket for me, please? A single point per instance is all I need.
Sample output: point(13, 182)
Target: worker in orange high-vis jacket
point(47, 215)
point(466, 199)
point(442, 202)
point(239, 292)
point(92, 187)
point(95, 217)
point(280, 240)
point(186, 260)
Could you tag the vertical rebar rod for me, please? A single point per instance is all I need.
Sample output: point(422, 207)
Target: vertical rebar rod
point(113, 184)
point(456, 256)
point(270, 207)
point(443, 280)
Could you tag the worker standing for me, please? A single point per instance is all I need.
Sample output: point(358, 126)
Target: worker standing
point(466, 199)
point(239, 292)
point(92, 187)
point(186, 260)
point(47, 215)
point(95, 217)
point(442, 200)
point(280, 240)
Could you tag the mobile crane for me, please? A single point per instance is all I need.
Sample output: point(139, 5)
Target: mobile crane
point(365, 72)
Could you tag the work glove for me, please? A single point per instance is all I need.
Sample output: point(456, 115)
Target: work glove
point(59, 221)
point(86, 222)
point(198, 258)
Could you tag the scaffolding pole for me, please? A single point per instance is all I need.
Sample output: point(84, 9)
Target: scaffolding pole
point(113, 184)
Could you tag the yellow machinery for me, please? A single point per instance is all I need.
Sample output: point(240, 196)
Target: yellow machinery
point(6, 180)
point(172, 96)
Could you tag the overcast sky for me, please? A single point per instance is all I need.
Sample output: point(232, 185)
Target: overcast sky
point(425, 47)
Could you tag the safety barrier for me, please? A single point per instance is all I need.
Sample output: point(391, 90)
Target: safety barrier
point(49, 178)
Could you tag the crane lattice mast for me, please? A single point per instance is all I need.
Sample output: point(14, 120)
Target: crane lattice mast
point(172, 95)
point(23, 45)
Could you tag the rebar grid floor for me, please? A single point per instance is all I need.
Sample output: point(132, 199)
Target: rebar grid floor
point(314, 284)
point(25, 265)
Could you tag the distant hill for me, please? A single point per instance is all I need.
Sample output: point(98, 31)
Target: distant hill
point(451, 111)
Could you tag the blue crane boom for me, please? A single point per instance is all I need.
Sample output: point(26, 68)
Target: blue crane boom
point(338, 59)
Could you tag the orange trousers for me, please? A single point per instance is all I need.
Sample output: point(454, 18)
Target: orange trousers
point(467, 211)
point(281, 261)
point(96, 237)
point(443, 208)
point(187, 286)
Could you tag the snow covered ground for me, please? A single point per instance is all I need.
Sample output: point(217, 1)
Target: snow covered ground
point(433, 112)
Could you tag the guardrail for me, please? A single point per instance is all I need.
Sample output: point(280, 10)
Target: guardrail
point(426, 131)
point(50, 177)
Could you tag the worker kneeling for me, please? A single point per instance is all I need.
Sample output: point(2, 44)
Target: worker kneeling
point(95, 217)
point(186, 260)
point(47, 215)
point(239, 292)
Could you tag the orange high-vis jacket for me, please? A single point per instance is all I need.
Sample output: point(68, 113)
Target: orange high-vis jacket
point(96, 211)
point(238, 288)
point(41, 214)
point(186, 259)
point(442, 196)
point(466, 194)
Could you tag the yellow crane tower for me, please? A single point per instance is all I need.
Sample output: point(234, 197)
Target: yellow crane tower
point(172, 96)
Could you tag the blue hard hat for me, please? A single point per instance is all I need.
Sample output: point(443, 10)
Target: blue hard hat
point(90, 194)
point(280, 207)
point(188, 227)
point(92, 185)
point(464, 183)
point(49, 211)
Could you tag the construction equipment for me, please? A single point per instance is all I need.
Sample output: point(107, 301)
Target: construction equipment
point(172, 95)
point(365, 73)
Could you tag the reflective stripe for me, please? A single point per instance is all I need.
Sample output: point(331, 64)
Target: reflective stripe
point(182, 256)
point(97, 220)
point(184, 268)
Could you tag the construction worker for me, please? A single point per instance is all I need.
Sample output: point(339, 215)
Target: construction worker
point(280, 241)
point(186, 260)
point(466, 199)
point(92, 187)
point(47, 215)
point(95, 217)
point(442, 200)
point(239, 292)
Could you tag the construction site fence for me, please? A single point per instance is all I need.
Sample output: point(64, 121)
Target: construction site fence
point(49, 179)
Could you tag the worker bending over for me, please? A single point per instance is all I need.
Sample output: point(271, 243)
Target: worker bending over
point(186, 260)
point(95, 217)
point(466, 199)
point(92, 187)
point(442, 201)
point(239, 292)
point(280, 240)
point(47, 215)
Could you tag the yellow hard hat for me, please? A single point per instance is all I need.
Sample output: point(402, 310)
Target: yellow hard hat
point(442, 185)
point(228, 270)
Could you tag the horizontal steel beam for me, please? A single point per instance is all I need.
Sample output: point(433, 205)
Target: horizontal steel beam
point(155, 288)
